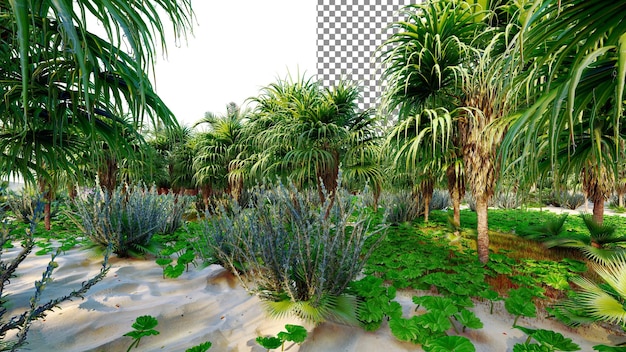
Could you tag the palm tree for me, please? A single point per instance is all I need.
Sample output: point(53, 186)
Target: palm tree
point(446, 56)
point(572, 52)
point(305, 132)
point(218, 161)
point(65, 89)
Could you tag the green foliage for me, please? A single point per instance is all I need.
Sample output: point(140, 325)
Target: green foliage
point(411, 258)
point(601, 300)
point(430, 328)
point(376, 302)
point(143, 326)
point(128, 217)
point(604, 348)
point(203, 347)
point(36, 309)
point(294, 333)
point(520, 303)
point(175, 245)
point(547, 341)
point(300, 255)
point(450, 344)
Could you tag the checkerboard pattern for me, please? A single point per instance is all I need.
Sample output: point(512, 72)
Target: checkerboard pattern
point(348, 34)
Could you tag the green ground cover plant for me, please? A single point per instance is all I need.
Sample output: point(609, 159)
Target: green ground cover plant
point(293, 333)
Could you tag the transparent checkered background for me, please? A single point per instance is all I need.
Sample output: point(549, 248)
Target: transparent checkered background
point(348, 34)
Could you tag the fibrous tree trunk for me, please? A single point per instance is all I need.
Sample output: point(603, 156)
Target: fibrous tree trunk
point(456, 188)
point(482, 241)
point(597, 184)
point(427, 189)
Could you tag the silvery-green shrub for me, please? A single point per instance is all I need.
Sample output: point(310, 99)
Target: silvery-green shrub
point(288, 249)
point(128, 217)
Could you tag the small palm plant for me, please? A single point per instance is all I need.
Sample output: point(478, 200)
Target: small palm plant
point(601, 244)
point(598, 301)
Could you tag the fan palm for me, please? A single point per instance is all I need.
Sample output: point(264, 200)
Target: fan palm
point(598, 302)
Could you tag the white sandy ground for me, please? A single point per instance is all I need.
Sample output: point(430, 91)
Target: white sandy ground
point(209, 305)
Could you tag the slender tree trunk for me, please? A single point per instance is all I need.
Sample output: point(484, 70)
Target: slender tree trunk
point(598, 210)
point(427, 198)
point(620, 200)
point(46, 189)
point(456, 208)
point(482, 241)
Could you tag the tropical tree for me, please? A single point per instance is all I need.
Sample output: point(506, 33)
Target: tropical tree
point(306, 132)
point(65, 88)
point(573, 53)
point(444, 60)
point(218, 161)
point(175, 151)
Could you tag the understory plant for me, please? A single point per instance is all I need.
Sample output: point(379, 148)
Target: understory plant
point(431, 328)
point(36, 309)
point(401, 206)
point(128, 217)
point(602, 242)
point(298, 256)
point(293, 333)
point(545, 340)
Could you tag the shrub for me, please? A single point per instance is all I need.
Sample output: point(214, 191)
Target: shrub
point(572, 200)
point(300, 257)
point(400, 207)
point(440, 200)
point(24, 203)
point(36, 310)
point(128, 217)
point(506, 200)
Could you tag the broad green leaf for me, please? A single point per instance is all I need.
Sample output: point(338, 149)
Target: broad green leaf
point(295, 333)
point(449, 344)
point(203, 347)
point(269, 342)
point(145, 322)
point(468, 319)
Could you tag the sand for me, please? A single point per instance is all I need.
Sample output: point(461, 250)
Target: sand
point(208, 304)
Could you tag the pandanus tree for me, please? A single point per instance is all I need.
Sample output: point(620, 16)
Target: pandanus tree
point(573, 53)
point(306, 132)
point(444, 58)
point(65, 89)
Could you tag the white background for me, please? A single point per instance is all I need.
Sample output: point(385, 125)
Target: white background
point(237, 48)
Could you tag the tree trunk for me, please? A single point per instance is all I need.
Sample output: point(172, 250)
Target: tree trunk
point(598, 210)
point(482, 241)
point(46, 189)
point(620, 200)
point(426, 207)
point(456, 206)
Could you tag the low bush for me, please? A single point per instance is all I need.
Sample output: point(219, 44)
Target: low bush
point(401, 207)
point(506, 200)
point(128, 217)
point(440, 200)
point(299, 257)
